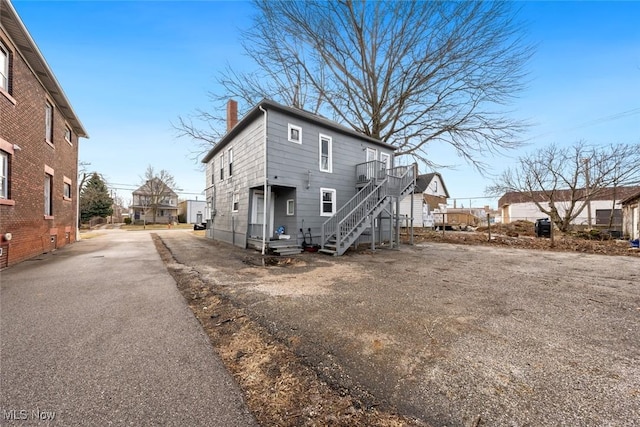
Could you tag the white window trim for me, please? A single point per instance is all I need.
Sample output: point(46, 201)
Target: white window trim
point(333, 201)
point(4, 82)
point(299, 129)
point(235, 199)
point(291, 203)
point(4, 174)
point(230, 161)
point(221, 169)
point(330, 153)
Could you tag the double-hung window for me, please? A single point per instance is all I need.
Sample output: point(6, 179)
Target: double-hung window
point(67, 189)
point(48, 194)
point(4, 175)
point(235, 202)
point(222, 166)
point(4, 67)
point(326, 157)
point(67, 134)
point(230, 155)
point(327, 201)
point(48, 122)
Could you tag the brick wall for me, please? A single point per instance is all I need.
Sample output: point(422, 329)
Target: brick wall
point(22, 122)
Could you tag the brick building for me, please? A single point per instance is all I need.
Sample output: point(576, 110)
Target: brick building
point(39, 136)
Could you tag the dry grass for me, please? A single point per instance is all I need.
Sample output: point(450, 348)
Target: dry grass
point(278, 387)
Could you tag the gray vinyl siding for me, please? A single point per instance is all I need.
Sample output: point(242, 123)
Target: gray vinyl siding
point(289, 164)
point(248, 171)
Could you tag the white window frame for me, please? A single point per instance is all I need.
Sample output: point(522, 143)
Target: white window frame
point(222, 166)
point(290, 137)
point(235, 202)
point(4, 175)
point(230, 161)
point(291, 207)
point(48, 122)
point(4, 67)
point(329, 168)
point(331, 191)
point(386, 159)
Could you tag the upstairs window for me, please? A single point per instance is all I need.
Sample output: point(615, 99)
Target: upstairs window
point(230, 161)
point(67, 134)
point(221, 166)
point(325, 154)
point(295, 134)
point(48, 122)
point(4, 67)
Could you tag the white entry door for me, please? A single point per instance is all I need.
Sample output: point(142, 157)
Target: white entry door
point(257, 212)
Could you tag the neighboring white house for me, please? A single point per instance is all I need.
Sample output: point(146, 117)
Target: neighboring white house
point(194, 211)
point(518, 206)
point(430, 194)
point(154, 202)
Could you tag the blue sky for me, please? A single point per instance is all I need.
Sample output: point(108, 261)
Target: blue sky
point(131, 68)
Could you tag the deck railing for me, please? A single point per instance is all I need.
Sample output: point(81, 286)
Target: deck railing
point(330, 226)
point(381, 185)
point(370, 170)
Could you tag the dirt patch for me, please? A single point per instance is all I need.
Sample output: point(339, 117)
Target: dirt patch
point(520, 236)
point(449, 334)
point(279, 388)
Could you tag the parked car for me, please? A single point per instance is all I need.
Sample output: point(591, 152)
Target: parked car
point(201, 226)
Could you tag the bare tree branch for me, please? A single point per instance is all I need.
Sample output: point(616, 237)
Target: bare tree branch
point(409, 73)
point(582, 171)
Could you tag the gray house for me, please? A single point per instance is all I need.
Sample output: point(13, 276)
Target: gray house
point(282, 176)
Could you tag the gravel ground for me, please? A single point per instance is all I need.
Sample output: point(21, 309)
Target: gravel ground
point(449, 334)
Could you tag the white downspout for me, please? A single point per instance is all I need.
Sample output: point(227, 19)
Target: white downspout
point(264, 198)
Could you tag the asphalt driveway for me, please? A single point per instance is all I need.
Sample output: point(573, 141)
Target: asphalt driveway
point(453, 335)
point(96, 333)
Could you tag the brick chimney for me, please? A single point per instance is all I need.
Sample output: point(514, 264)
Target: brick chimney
point(232, 114)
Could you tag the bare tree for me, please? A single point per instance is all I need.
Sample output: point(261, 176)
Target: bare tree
point(408, 73)
point(156, 190)
point(562, 181)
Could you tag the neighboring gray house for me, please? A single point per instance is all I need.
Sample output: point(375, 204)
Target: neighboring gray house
point(193, 211)
point(311, 173)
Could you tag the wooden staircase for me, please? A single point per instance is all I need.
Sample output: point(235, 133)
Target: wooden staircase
point(357, 215)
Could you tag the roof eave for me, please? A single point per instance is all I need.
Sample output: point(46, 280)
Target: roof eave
point(31, 53)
